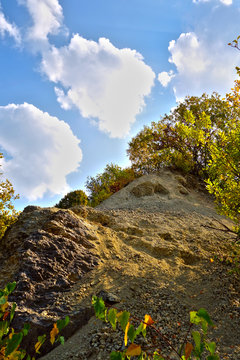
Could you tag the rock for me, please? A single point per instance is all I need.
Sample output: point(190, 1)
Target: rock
point(108, 297)
point(51, 251)
point(144, 189)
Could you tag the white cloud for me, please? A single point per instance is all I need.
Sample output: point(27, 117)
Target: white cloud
point(41, 149)
point(202, 65)
point(225, 2)
point(6, 27)
point(47, 17)
point(165, 77)
point(102, 81)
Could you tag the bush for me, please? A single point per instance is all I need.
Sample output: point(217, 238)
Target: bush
point(73, 198)
point(111, 180)
point(8, 215)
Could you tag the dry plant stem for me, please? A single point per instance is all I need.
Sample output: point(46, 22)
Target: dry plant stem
point(185, 339)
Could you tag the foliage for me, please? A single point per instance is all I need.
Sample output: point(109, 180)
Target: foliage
point(195, 349)
point(111, 180)
point(73, 198)
point(223, 167)
point(182, 139)
point(8, 215)
point(10, 340)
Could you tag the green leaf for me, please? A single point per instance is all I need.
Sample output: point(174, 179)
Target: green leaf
point(25, 329)
point(99, 308)
point(141, 329)
point(13, 343)
point(211, 347)
point(12, 311)
point(4, 328)
point(197, 339)
point(116, 355)
point(132, 333)
point(213, 357)
point(10, 287)
point(194, 318)
point(61, 324)
point(202, 313)
point(3, 300)
point(61, 340)
point(123, 318)
point(112, 318)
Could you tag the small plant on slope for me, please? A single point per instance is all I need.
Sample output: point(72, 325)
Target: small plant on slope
point(196, 349)
point(10, 340)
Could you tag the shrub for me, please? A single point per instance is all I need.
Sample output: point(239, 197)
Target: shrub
point(8, 215)
point(111, 180)
point(133, 349)
point(73, 198)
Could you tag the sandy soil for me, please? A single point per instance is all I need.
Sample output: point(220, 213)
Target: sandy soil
point(156, 238)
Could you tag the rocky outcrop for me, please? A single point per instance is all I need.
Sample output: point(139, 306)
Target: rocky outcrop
point(148, 249)
point(46, 252)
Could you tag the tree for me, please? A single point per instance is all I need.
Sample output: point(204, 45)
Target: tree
point(8, 215)
point(111, 180)
point(73, 198)
point(224, 166)
point(181, 140)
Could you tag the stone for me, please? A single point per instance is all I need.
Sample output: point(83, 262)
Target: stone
point(51, 251)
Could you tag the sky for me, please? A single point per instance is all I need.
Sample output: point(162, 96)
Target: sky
point(80, 78)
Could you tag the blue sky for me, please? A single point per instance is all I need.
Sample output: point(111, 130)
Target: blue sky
point(80, 78)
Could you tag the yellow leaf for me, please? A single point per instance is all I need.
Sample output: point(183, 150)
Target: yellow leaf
point(188, 350)
point(211, 260)
point(4, 307)
point(148, 321)
point(14, 356)
point(125, 335)
point(133, 350)
point(37, 346)
point(53, 333)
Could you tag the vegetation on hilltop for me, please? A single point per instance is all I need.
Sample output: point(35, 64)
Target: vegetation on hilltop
point(8, 215)
point(111, 180)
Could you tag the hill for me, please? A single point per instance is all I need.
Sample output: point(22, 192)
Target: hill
point(148, 247)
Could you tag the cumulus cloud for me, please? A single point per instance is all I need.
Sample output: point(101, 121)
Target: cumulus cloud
point(47, 17)
point(165, 77)
point(202, 66)
point(41, 150)
point(8, 28)
point(225, 2)
point(102, 81)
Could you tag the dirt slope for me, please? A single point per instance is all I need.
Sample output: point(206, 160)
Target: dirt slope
point(156, 238)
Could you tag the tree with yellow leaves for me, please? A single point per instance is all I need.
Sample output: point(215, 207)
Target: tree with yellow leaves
point(8, 214)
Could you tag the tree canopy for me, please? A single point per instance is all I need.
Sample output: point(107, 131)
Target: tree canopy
point(73, 198)
point(111, 180)
point(8, 214)
point(182, 139)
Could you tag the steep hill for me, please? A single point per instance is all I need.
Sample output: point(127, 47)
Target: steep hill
point(149, 247)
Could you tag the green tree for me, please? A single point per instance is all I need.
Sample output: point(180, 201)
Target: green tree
point(224, 166)
point(73, 198)
point(181, 140)
point(111, 180)
point(8, 215)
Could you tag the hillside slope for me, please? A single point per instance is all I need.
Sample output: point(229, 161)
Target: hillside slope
point(150, 245)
